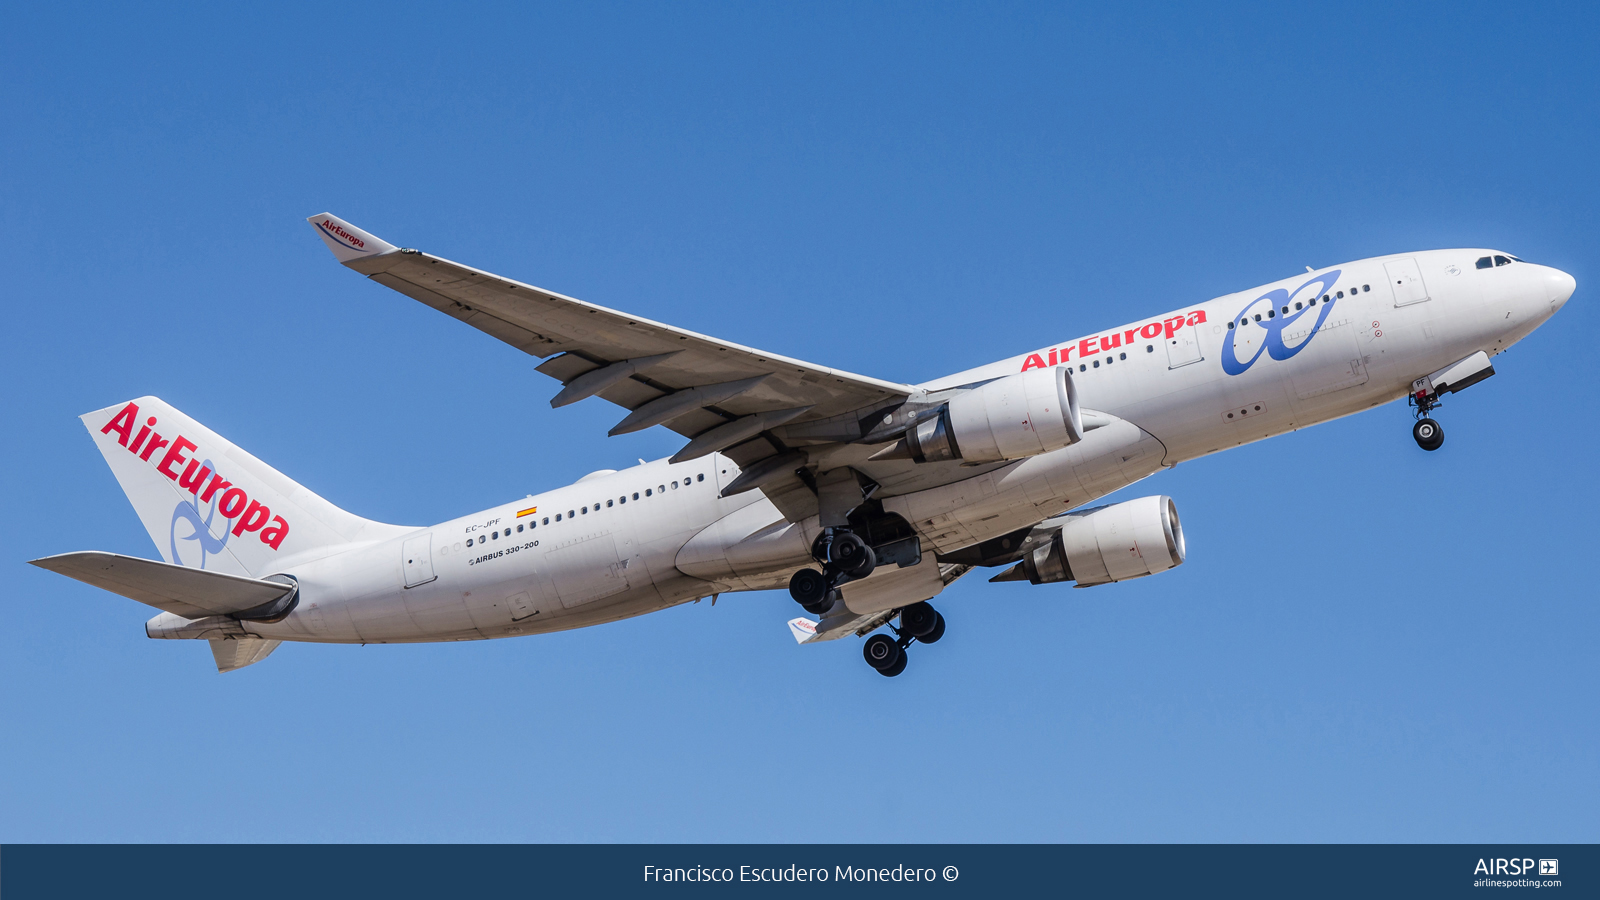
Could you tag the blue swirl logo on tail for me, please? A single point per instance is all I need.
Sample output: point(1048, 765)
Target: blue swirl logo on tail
point(200, 528)
point(1274, 324)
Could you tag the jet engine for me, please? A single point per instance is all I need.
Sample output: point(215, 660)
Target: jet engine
point(1105, 544)
point(1013, 417)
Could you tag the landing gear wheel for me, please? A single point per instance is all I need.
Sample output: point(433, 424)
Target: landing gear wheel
point(809, 588)
point(895, 669)
point(883, 654)
point(936, 633)
point(918, 619)
point(851, 555)
point(1428, 434)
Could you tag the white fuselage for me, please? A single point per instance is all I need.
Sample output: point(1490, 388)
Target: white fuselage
point(1171, 389)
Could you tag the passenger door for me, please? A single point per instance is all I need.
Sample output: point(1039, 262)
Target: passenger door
point(416, 559)
point(1183, 347)
point(1405, 279)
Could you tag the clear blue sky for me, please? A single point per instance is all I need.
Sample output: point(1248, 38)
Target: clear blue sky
point(1368, 643)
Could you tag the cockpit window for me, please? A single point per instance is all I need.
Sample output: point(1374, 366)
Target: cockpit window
point(1485, 262)
point(1502, 261)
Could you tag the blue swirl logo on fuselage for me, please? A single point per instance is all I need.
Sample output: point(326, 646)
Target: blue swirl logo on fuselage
point(200, 532)
point(1274, 321)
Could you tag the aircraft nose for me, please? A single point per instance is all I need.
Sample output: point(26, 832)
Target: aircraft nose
point(1559, 286)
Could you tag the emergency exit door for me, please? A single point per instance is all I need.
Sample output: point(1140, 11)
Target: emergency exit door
point(416, 559)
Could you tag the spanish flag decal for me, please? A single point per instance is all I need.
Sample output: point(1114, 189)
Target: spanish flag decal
point(527, 512)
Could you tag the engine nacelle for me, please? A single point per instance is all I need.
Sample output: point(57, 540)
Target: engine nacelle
point(1014, 417)
point(1109, 543)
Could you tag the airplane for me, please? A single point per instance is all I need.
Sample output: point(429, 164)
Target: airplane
point(865, 498)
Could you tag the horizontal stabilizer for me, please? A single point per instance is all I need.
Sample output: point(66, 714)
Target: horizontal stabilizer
point(191, 593)
point(236, 653)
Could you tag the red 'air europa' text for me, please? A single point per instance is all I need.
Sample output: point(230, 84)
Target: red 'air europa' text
point(334, 229)
point(232, 502)
point(1102, 343)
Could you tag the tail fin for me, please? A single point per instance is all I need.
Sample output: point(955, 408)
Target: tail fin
point(208, 504)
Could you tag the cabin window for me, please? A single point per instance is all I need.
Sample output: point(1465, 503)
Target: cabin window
point(519, 529)
point(674, 485)
point(661, 489)
point(1149, 348)
point(570, 514)
point(1122, 356)
point(635, 495)
point(584, 510)
point(1286, 310)
point(1297, 305)
point(608, 503)
point(646, 492)
point(495, 535)
point(700, 477)
point(1340, 295)
point(1083, 368)
point(1271, 313)
point(1366, 287)
point(558, 517)
point(546, 521)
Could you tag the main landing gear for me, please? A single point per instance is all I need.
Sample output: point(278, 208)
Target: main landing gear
point(918, 622)
point(845, 557)
point(1429, 434)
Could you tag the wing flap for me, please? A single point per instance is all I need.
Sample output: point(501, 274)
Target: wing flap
point(191, 593)
point(232, 654)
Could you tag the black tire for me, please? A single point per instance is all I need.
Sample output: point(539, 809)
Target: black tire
point(918, 619)
point(852, 555)
point(822, 606)
point(808, 587)
point(937, 632)
point(881, 652)
point(896, 669)
point(1428, 434)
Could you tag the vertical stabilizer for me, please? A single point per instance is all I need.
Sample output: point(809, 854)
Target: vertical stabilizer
point(208, 504)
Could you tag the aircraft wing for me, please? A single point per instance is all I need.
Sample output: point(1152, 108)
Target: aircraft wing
point(724, 396)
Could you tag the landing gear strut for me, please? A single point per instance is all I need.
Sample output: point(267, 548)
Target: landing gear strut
point(918, 622)
point(1428, 433)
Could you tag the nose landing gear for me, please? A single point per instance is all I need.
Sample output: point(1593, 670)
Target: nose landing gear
point(1429, 434)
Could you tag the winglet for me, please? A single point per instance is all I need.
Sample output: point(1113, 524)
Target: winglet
point(347, 242)
point(804, 630)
